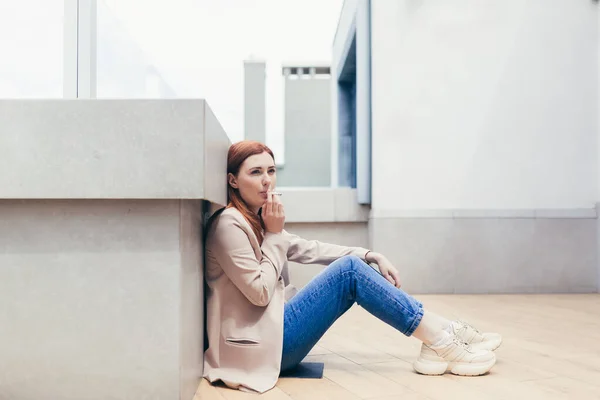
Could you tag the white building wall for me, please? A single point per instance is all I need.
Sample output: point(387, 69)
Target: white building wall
point(598, 143)
point(484, 105)
point(485, 144)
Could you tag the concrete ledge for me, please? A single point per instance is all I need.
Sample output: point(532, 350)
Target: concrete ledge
point(583, 213)
point(103, 149)
point(322, 205)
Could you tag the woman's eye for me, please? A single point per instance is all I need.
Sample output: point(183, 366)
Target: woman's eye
point(272, 171)
point(255, 172)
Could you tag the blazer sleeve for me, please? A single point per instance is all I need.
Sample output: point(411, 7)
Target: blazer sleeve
point(314, 252)
point(234, 253)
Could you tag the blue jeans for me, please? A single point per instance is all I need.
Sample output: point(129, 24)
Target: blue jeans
point(331, 293)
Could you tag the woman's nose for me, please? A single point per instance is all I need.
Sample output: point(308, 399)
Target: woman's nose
point(267, 181)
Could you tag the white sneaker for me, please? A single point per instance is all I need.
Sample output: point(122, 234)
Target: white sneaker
point(478, 340)
point(454, 356)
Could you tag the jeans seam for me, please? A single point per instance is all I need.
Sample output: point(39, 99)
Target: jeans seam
point(390, 299)
point(416, 321)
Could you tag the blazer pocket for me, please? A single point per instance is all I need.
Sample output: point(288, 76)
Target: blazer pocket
point(238, 341)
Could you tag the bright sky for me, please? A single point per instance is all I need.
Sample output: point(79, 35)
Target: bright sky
point(198, 45)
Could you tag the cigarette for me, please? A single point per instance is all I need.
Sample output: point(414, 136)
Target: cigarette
point(277, 193)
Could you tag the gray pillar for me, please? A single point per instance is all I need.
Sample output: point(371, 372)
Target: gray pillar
point(254, 100)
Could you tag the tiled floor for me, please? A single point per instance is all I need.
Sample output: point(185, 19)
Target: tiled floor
point(551, 350)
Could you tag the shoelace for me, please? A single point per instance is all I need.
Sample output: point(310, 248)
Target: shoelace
point(465, 325)
point(462, 344)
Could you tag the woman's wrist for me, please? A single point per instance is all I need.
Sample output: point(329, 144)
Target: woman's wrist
point(373, 257)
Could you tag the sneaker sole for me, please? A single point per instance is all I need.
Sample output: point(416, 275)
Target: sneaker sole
point(427, 367)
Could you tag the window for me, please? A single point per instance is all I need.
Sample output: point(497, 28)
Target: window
point(124, 68)
point(31, 49)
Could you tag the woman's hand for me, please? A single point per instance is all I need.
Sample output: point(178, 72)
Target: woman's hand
point(387, 270)
point(273, 214)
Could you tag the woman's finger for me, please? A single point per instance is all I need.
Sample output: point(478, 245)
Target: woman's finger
point(269, 203)
point(396, 276)
point(276, 199)
point(389, 278)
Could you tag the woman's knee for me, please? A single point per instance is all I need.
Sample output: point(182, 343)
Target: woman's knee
point(349, 264)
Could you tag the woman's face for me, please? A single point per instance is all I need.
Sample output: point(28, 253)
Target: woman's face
point(256, 177)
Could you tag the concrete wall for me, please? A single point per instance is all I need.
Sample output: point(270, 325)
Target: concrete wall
point(307, 132)
point(102, 204)
point(71, 269)
point(312, 205)
point(490, 254)
point(485, 143)
point(331, 215)
point(342, 233)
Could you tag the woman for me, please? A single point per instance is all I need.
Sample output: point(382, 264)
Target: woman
point(255, 330)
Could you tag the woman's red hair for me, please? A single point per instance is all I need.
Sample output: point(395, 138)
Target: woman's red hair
point(238, 153)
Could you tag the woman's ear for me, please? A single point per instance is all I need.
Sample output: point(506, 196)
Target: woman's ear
point(232, 181)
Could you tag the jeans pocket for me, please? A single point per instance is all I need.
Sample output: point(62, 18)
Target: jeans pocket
point(238, 341)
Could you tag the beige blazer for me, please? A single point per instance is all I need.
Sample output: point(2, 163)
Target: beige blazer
point(246, 296)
